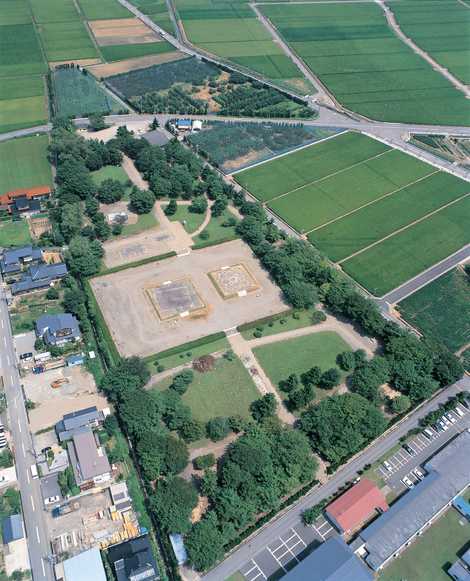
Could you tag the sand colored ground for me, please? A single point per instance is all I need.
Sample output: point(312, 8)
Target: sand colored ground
point(135, 325)
point(122, 31)
point(108, 70)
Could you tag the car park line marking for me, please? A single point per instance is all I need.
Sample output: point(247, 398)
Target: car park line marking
point(8, 360)
point(43, 569)
point(5, 341)
point(414, 446)
point(423, 440)
point(32, 503)
point(276, 559)
point(255, 567)
point(27, 476)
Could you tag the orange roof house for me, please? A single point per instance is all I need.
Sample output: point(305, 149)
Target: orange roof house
point(30, 193)
point(356, 506)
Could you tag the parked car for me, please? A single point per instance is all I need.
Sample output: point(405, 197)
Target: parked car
point(443, 425)
point(418, 473)
point(428, 433)
point(459, 412)
point(451, 417)
point(445, 421)
point(388, 466)
point(409, 449)
point(407, 482)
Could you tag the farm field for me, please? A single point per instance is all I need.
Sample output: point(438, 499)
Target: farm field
point(428, 556)
point(78, 94)
point(351, 192)
point(227, 390)
point(67, 41)
point(103, 9)
point(449, 147)
point(14, 233)
point(442, 309)
point(368, 69)
point(157, 11)
point(441, 29)
point(232, 146)
point(23, 163)
point(232, 31)
point(127, 51)
point(298, 355)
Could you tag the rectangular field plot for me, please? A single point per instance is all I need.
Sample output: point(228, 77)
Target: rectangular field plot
point(67, 41)
point(132, 316)
point(442, 309)
point(23, 163)
point(366, 66)
point(411, 251)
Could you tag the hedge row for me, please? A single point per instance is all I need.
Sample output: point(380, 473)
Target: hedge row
point(186, 346)
point(136, 263)
point(264, 320)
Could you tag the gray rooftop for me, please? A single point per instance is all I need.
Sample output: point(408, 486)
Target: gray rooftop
point(81, 418)
point(53, 328)
point(86, 566)
point(449, 474)
point(466, 557)
point(334, 560)
point(156, 137)
point(458, 572)
point(88, 459)
point(50, 487)
point(12, 528)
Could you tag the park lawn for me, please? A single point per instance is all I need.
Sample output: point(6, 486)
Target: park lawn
point(14, 233)
point(411, 251)
point(77, 94)
point(345, 44)
point(217, 345)
point(227, 390)
point(442, 309)
point(281, 325)
point(127, 51)
point(30, 308)
point(190, 220)
point(217, 232)
point(144, 222)
point(103, 9)
point(433, 552)
point(113, 172)
point(23, 163)
point(298, 355)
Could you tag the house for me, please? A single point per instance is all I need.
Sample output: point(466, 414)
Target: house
point(25, 206)
point(39, 276)
point(120, 496)
point(36, 194)
point(183, 124)
point(74, 360)
point(88, 459)
point(58, 329)
point(459, 572)
point(13, 259)
point(50, 490)
point(353, 508)
point(334, 560)
point(156, 137)
point(86, 566)
point(15, 547)
point(133, 560)
point(88, 417)
point(448, 475)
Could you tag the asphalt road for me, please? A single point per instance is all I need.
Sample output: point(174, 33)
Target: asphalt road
point(36, 531)
point(291, 518)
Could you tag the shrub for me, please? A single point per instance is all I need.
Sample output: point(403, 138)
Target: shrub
point(203, 462)
point(329, 378)
point(52, 294)
point(218, 428)
point(318, 317)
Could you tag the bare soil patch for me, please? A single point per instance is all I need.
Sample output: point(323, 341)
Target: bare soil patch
point(110, 69)
point(122, 31)
point(39, 225)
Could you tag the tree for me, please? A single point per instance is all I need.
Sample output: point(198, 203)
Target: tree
point(330, 378)
point(300, 294)
point(191, 430)
point(97, 122)
point(52, 294)
point(141, 202)
point(300, 398)
point(126, 377)
point(203, 462)
point(346, 360)
point(154, 125)
point(205, 543)
point(289, 384)
point(312, 376)
point(218, 428)
point(171, 208)
point(263, 408)
point(71, 221)
point(367, 378)
point(400, 404)
point(198, 205)
point(251, 230)
point(219, 206)
point(161, 454)
point(182, 380)
point(83, 256)
point(110, 191)
point(172, 504)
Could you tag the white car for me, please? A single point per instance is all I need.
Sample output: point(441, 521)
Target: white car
point(429, 433)
point(388, 466)
point(450, 417)
point(445, 420)
point(418, 473)
point(407, 482)
point(51, 499)
point(443, 425)
point(459, 412)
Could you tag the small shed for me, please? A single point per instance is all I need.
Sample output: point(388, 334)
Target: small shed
point(12, 529)
point(73, 360)
point(462, 506)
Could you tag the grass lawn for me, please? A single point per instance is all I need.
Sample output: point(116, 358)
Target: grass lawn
point(298, 355)
point(114, 172)
point(217, 232)
point(144, 222)
point(170, 361)
point(23, 163)
point(190, 220)
point(442, 309)
point(30, 308)
point(227, 390)
point(431, 555)
point(287, 323)
point(14, 233)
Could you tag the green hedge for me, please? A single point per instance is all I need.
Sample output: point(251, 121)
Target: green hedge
point(186, 346)
point(135, 264)
point(207, 243)
point(264, 320)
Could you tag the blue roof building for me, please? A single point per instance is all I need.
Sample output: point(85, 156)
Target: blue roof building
point(86, 566)
point(58, 329)
point(12, 528)
point(39, 276)
point(334, 560)
point(13, 258)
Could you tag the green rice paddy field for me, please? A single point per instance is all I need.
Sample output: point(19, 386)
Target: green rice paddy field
point(23, 163)
point(128, 51)
point(441, 28)
point(231, 30)
point(441, 309)
point(157, 11)
point(386, 216)
point(368, 69)
point(103, 9)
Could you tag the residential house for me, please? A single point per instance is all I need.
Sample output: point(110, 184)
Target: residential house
point(88, 459)
point(39, 276)
point(58, 329)
point(13, 259)
point(36, 194)
point(133, 560)
point(16, 549)
point(88, 417)
point(120, 497)
point(25, 206)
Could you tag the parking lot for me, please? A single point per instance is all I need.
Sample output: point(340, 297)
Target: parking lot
point(402, 463)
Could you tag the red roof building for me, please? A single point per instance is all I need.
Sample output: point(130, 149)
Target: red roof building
point(356, 506)
point(36, 193)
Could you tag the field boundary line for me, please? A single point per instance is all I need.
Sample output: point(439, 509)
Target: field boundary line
point(284, 153)
point(425, 217)
point(372, 202)
point(329, 175)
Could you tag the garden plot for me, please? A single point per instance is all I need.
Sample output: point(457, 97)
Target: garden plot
point(137, 328)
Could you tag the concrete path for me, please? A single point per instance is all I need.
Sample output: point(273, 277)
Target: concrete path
point(242, 348)
point(133, 174)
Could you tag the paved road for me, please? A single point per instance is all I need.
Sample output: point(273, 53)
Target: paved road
point(290, 520)
point(36, 530)
point(408, 288)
